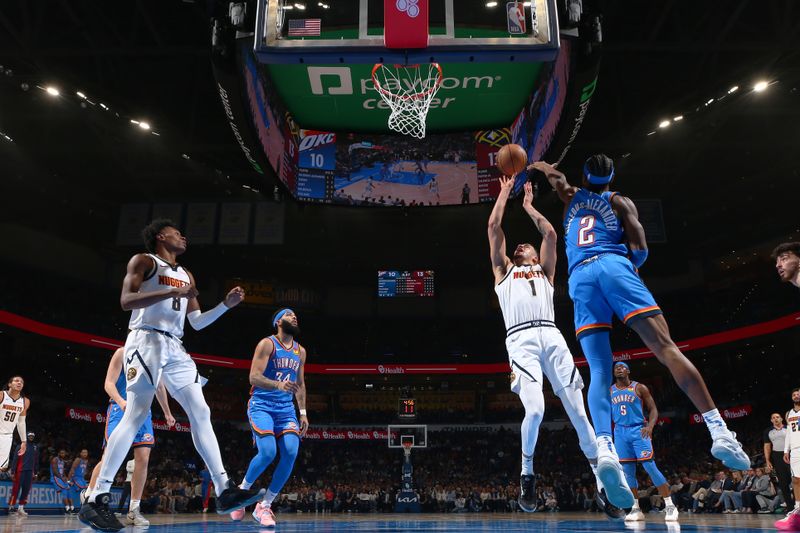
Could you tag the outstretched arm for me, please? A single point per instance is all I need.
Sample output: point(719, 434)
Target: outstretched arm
point(634, 232)
point(497, 239)
point(547, 252)
point(557, 180)
point(652, 410)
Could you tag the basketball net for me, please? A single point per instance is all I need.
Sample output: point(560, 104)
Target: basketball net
point(407, 448)
point(408, 91)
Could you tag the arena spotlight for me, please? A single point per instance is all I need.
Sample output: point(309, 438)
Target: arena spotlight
point(733, 89)
point(491, 4)
point(52, 91)
point(80, 94)
point(676, 119)
point(664, 124)
point(144, 125)
point(761, 86)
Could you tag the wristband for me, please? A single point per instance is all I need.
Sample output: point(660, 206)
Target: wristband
point(303, 412)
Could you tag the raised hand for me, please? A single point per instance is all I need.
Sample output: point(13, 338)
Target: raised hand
point(527, 200)
point(234, 297)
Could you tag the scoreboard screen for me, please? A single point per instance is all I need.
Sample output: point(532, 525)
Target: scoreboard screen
point(393, 283)
point(407, 408)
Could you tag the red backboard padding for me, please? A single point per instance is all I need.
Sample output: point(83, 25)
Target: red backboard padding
point(405, 23)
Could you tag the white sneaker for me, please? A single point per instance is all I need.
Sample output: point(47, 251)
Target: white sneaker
point(21, 511)
point(671, 513)
point(728, 450)
point(610, 473)
point(636, 515)
point(135, 518)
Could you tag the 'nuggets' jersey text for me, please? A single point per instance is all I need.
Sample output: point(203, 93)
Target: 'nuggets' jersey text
point(169, 314)
point(591, 227)
point(10, 411)
point(626, 406)
point(283, 365)
point(525, 294)
point(792, 429)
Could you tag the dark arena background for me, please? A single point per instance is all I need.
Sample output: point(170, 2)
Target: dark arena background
point(256, 127)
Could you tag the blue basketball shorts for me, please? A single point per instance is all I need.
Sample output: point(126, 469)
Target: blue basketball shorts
point(271, 419)
point(144, 437)
point(59, 485)
point(630, 445)
point(605, 286)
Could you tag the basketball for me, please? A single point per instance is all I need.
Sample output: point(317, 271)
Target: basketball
point(511, 159)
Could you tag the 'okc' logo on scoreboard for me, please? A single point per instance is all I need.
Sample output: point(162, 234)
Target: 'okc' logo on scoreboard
point(409, 7)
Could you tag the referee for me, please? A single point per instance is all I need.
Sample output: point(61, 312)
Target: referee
point(774, 439)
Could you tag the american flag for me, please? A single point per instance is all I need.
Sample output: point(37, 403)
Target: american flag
point(301, 27)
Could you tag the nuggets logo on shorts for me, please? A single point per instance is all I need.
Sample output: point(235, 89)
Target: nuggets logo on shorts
point(131, 373)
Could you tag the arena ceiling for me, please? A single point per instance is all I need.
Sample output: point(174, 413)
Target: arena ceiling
point(722, 174)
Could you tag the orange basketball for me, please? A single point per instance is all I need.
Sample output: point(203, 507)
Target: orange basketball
point(511, 159)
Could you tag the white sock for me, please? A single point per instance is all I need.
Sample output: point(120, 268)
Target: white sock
point(205, 441)
point(269, 497)
point(797, 504)
point(134, 505)
point(635, 505)
point(604, 443)
point(245, 485)
point(668, 501)
point(714, 422)
point(527, 465)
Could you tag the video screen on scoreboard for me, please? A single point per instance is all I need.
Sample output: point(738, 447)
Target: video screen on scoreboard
point(394, 283)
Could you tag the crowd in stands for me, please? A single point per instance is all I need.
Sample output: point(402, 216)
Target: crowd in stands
point(461, 470)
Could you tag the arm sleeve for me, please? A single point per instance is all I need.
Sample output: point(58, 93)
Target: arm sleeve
point(199, 320)
point(21, 429)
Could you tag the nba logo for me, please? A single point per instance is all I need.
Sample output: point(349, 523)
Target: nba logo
point(515, 14)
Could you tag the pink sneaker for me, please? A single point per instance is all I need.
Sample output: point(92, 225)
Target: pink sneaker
point(264, 515)
point(268, 518)
point(237, 515)
point(790, 523)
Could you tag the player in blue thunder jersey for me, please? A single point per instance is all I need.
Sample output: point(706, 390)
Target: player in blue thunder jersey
point(277, 376)
point(115, 386)
point(60, 480)
point(605, 246)
point(77, 475)
point(633, 437)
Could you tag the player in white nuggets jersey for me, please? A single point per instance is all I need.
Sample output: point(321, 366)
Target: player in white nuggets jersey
point(791, 456)
point(535, 346)
point(13, 409)
point(161, 294)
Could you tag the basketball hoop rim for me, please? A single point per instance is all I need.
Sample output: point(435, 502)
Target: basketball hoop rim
point(423, 94)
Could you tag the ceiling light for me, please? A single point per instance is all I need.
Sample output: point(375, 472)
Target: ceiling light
point(733, 89)
point(81, 95)
point(760, 86)
point(711, 101)
point(491, 4)
point(664, 124)
point(144, 125)
point(104, 106)
point(52, 91)
point(134, 121)
point(287, 7)
point(676, 119)
point(300, 6)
